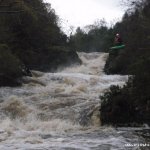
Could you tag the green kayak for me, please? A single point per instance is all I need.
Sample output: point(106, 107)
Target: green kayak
point(117, 47)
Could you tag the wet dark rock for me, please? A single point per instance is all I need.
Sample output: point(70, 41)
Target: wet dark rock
point(84, 119)
point(26, 71)
point(45, 136)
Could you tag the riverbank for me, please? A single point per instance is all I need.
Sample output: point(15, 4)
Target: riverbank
point(128, 105)
point(12, 70)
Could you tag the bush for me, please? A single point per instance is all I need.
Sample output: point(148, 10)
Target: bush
point(10, 67)
point(115, 107)
point(128, 104)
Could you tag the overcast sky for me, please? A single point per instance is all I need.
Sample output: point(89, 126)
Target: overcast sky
point(85, 12)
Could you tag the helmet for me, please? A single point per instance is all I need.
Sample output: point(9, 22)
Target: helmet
point(117, 34)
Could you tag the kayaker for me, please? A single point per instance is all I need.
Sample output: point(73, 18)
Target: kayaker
point(118, 40)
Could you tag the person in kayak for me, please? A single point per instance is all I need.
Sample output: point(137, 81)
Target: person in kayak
point(118, 43)
point(118, 40)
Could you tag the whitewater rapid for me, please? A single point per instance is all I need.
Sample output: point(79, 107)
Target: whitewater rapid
point(60, 111)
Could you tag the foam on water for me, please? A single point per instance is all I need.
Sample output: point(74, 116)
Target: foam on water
point(60, 110)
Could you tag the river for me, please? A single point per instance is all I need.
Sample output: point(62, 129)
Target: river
point(60, 111)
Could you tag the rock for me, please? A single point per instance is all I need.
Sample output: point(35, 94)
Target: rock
point(37, 73)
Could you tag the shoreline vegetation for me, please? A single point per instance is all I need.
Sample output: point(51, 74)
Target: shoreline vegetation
point(30, 39)
point(130, 105)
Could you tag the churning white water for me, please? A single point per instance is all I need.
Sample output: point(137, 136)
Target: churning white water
point(60, 111)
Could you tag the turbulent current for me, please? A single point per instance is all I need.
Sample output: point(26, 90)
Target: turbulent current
point(60, 111)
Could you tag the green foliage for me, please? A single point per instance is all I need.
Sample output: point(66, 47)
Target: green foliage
point(132, 102)
point(135, 30)
point(98, 38)
point(30, 29)
point(10, 67)
point(128, 104)
point(116, 107)
point(58, 57)
point(9, 63)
